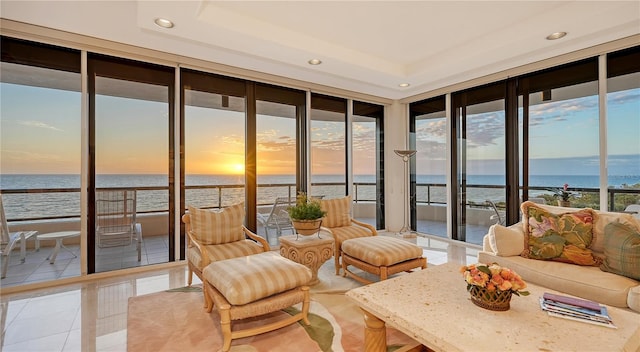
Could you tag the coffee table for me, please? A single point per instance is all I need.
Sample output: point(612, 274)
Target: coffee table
point(433, 307)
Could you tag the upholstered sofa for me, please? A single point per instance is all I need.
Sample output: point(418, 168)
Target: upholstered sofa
point(614, 245)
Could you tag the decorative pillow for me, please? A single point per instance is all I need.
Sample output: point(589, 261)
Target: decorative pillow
point(217, 227)
point(504, 241)
point(338, 212)
point(602, 219)
point(558, 237)
point(621, 250)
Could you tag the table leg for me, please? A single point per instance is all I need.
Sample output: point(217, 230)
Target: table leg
point(56, 249)
point(23, 248)
point(375, 333)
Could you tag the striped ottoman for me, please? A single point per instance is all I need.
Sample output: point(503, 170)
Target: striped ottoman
point(255, 285)
point(381, 256)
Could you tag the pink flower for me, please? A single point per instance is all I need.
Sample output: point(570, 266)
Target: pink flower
point(494, 278)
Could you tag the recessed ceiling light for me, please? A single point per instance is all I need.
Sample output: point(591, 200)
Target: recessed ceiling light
point(314, 62)
point(163, 22)
point(403, 85)
point(556, 35)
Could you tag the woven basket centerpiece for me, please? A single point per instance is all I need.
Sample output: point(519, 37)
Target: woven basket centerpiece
point(492, 300)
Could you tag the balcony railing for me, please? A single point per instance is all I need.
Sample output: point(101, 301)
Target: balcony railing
point(427, 193)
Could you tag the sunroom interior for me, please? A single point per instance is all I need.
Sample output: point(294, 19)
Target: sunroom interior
point(240, 113)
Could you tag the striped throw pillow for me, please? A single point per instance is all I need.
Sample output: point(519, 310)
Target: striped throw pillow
point(621, 250)
point(217, 227)
point(338, 212)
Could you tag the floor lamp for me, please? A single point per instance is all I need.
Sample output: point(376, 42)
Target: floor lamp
point(405, 155)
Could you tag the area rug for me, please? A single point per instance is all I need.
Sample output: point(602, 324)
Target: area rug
point(175, 320)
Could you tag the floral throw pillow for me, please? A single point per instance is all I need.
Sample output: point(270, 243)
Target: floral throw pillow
point(559, 237)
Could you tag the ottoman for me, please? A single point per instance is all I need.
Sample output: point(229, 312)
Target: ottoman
point(255, 285)
point(381, 256)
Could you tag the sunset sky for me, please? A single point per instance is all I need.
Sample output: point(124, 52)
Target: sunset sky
point(40, 133)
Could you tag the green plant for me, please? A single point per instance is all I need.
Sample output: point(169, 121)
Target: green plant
point(305, 208)
point(562, 192)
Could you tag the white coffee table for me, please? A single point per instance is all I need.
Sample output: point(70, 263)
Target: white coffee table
point(58, 236)
point(433, 307)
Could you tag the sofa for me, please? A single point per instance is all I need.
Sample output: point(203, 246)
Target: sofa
point(607, 251)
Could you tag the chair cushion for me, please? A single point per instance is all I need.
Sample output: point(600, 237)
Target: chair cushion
point(559, 237)
point(381, 250)
point(224, 251)
point(341, 234)
point(216, 227)
point(247, 279)
point(338, 211)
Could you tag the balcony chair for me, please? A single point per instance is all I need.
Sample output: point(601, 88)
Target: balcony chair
point(278, 218)
point(633, 209)
point(339, 223)
point(218, 235)
point(500, 215)
point(116, 219)
point(10, 239)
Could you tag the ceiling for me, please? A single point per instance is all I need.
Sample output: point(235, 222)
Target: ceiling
point(365, 46)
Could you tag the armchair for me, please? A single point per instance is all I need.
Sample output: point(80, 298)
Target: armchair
point(218, 235)
point(339, 223)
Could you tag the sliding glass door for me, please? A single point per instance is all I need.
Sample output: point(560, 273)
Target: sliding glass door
point(480, 177)
point(131, 166)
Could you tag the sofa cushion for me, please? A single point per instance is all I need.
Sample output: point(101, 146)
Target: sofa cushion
point(601, 219)
point(216, 227)
point(247, 279)
point(338, 211)
point(505, 241)
point(583, 281)
point(562, 237)
point(621, 250)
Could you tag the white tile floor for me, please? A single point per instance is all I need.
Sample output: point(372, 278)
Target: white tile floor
point(92, 316)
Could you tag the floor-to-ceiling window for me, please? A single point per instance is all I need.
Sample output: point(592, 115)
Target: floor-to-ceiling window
point(368, 163)
point(328, 146)
point(279, 112)
point(623, 128)
point(130, 163)
point(40, 164)
point(560, 119)
point(428, 136)
point(480, 177)
point(213, 136)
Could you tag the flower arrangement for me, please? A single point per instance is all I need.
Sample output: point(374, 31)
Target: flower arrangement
point(562, 192)
point(493, 278)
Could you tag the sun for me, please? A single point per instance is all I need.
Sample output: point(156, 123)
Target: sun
point(237, 168)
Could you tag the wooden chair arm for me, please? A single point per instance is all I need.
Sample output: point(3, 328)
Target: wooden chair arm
point(255, 237)
point(192, 242)
point(360, 223)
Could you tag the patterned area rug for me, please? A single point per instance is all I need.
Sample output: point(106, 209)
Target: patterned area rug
point(175, 320)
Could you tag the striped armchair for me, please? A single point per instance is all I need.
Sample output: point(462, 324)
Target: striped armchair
point(218, 235)
point(339, 223)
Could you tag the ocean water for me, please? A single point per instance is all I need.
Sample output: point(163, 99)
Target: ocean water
point(52, 204)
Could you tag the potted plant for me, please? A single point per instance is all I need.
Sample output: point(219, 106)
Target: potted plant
point(564, 194)
point(306, 216)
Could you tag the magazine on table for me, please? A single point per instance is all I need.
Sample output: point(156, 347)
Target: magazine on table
point(576, 309)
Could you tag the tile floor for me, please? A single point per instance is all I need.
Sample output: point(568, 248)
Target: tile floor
point(92, 316)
